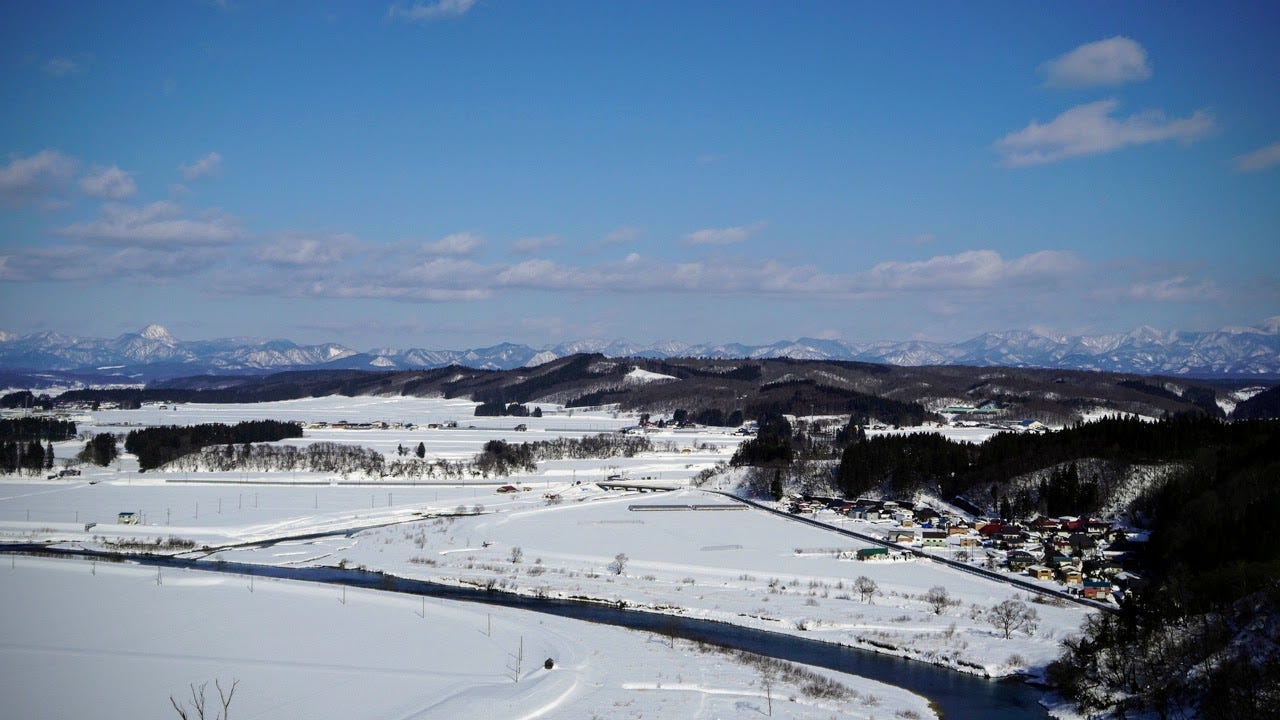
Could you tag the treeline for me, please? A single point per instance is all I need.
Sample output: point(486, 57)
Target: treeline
point(30, 457)
point(497, 409)
point(26, 444)
point(502, 458)
point(602, 446)
point(26, 399)
point(1201, 639)
point(317, 457)
point(227, 389)
point(800, 396)
point(902, 464)
point(498, 458)
point(805, 396)
point(37, 428)
point(159, 445)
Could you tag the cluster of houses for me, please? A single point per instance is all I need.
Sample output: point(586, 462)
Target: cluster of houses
point(1081, 553)
point(1077, 552)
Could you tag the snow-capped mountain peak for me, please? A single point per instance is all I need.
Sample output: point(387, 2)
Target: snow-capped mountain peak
point(154, 353)
point(158, 333)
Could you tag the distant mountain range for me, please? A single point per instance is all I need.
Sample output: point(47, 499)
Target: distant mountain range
point(153, 353)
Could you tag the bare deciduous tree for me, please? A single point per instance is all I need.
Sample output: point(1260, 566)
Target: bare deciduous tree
point(1011, 616)
point(938, 599)
point(200, 703)
point(766, 681)
point(866, 587)
point(619, 564)
point(516, 554)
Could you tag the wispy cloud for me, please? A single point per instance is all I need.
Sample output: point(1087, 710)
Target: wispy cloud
point(156, 224)
point(422, 12)
point(149, 265)
point(1113, 61)
point(529, 245)
point(204, 167)
point(1091, 129)
point(724, 236)
point(463, 243)
point(975, 269)
point(622, 235)
point(1260, 159)
point(918, 240)
point(110, 183)
point(62, 67)
point(1180, 288)
point(26, 179)
point(307, 249)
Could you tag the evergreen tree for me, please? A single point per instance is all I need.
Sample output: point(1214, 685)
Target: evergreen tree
point(33, 458)
point(775, 487)
point(100, 450)
point(421, 450)
point(771, 446)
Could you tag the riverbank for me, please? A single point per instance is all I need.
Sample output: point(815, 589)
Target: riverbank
point(104, 639)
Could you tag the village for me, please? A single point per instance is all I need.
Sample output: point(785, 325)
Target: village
point(1082, 557)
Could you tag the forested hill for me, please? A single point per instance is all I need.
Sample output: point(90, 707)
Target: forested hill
point(1203, 639)
point(714, 389)
point(994, 475)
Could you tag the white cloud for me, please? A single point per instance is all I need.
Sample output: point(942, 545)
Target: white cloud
point(1260, 159)
point(62, 67)
point(427, 11)
point(108, 183)
point(205, 166)
point(28, 178)
point(1180, 288)
point(303, 250)
point(449, 272)
point(1112, 61)
point(975, 269)
point(463, 243)
point(157, 224)
point(152, 265)
point(534, 244)
point(1090, 129)
point(723, 236)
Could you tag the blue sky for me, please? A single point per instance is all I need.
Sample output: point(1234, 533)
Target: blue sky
point(461, 173)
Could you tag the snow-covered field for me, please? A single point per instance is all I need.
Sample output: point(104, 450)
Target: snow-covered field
point(555, 537)
point(81, 639)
